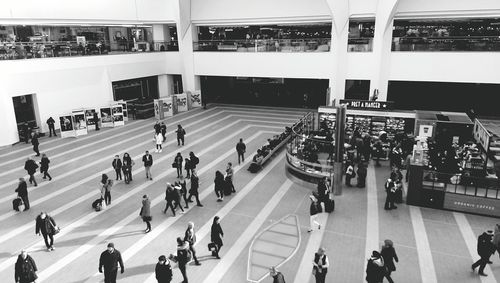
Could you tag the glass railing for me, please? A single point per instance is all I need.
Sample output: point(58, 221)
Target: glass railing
point(29, 50)
point(362, 44)
point(469, 43)
point(265, 45)
point(463, 183)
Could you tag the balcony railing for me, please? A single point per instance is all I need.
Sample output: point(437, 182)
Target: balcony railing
point(361, 44)
point(469, 43)
point(29, 50)
point(265, 45)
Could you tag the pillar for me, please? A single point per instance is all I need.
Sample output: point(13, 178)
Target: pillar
point(7, 119)
point(166, 85)
point(382, 42)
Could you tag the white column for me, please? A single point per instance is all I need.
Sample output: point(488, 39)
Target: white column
point(165, 85)
point(187, 34)
point(382, 47)
point(340, 31)
point(7, 119)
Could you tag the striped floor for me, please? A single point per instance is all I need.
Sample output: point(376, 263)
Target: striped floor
point(433, 245)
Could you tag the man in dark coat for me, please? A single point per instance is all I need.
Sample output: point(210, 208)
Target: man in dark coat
point(485, 249)
point(35, 143)
point(46, 226)
point(117, 165)
point(30, 166)
point(180, 135)
point(110, 259)
point(96, 121)
point(26, 132)
point(163, 129)
point(390, 190)
point(375, 268)
point(22, 192)
point(163, 270)
point(52, 129)
point(362, 172)
point(25, 268)
point(193, 191)
point(240, 149)
point(147, 159)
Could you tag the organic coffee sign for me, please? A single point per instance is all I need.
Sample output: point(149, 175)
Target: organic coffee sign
point(367, 104)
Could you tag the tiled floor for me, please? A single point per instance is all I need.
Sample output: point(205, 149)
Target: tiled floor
point(261, 200)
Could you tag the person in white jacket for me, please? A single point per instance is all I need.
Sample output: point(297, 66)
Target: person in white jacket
point(159, 140)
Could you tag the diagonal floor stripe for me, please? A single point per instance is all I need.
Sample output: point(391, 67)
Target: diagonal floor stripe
point(372, 224)
point(425, 260)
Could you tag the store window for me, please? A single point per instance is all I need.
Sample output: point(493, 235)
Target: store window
point(357, 89)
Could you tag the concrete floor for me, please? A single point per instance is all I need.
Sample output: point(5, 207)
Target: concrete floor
point(432, 245)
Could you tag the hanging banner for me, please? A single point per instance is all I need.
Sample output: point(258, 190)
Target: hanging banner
point(181, 100)
point(167, 107)
point(89, 116)
point(196, 99)
point(124, 109)
point(158, 106)
point(117, 111)
point(80, 123)
point(106, 117)
point(66, 123)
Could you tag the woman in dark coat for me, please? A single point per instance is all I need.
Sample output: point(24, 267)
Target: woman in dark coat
point(127, 164)
point(44, 167)
point(178, 164)
point(187, 167)
point(193, 191)
point(216, 236)
point(30, 167)
point(163, 270)
point(388, 253)
point(362, 172)
point(219, 185)
point(25, 268)
point(46, 226)
point(22, 192)
point(146, 212)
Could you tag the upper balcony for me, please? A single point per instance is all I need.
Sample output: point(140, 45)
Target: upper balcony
point(265, 45)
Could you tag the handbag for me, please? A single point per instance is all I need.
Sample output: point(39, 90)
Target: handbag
point(174, 165)
point(56, 228)
point(212, 247)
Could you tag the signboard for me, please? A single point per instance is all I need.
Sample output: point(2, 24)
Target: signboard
point(80, 123)
point(167, 107)
point(158, 107)
point(425, 131)
point(66, 123)
point(106, 117)
point(89, 116)
point(471, 204)
point(367, 104)
point(181, 100)
point(481, 135)
point(117, 112)
point(195, 98)
point(124, 109)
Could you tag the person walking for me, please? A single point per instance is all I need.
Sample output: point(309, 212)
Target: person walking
point(180, 135)
point(362, 172)
point(216, 235)
point(276, 275)
point(30, 167)
point(117, 165)
point(194, 161)
point(177, 195)
point(147, 159)
point(163, 130)
point(320, 265)
point(26, 132)
point(389, 255)
point(485, 249)
point(375, 268)
point(22, 192)
point(349, 174)
point(50, 123)
point(219, 184)
point(323, 190)
point(127, 164)
point(159, 140)
point(193, 191)
point(146, 212)
point(240, 149)
point(96, 121)
point(187, 167)
point(169, 197)
point(163, 270)
point(190, 237)
point(390, 190)
point(157, 127)
point(47, 227)
point(182, 183)
point(44, 167)
point(178, 164)
point(314, 209)
point(105, 190)
point(229, 176)
point(109, 260)
point(182, 257)
point(25, 268)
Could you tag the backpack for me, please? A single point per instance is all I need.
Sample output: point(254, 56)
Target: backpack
point(195, 160)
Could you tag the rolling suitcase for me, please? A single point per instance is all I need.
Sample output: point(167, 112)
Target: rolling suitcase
point(227, 188)
point(329, 205)
point(398, 196)
point(97, 204)
point(16, 203)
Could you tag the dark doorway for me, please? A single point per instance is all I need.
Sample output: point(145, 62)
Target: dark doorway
point(136, 89)
point(357, 89)
point(25, 110)
point(177, 84)
point(281, 92)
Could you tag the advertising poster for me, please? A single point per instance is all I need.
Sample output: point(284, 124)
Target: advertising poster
point(181, 100)
point(106, 117)
point(158, 106)
point(425, 131)
point(66, 123)
point(196, 98)
point(117, 111)
point(124, 109)
point(80, 124)
point(89, 116)
point(167, 107)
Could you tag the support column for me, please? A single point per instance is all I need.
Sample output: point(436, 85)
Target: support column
point(382, 43)
point(340, 32)
point(165, 85)
point(187, 34)
point(7, 120)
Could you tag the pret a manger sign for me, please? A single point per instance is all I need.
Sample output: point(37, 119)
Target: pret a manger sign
point(367, 104)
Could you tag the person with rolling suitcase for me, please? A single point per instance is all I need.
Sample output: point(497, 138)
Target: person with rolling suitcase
point(22, 193)
point(216, 235)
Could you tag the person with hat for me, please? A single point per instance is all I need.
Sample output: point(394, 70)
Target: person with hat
point(485, 249)
point(388, 254)
point(320, 265)
point(375, 268)
point(110, 259)
point(314, 209)
point(25, 268)
point(276, 275)
point(163, 270)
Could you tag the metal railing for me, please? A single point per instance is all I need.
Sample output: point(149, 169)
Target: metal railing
point(361, 44)
point(467, 43)
point(461, 184)
point(29, 50)
point(265, 45)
